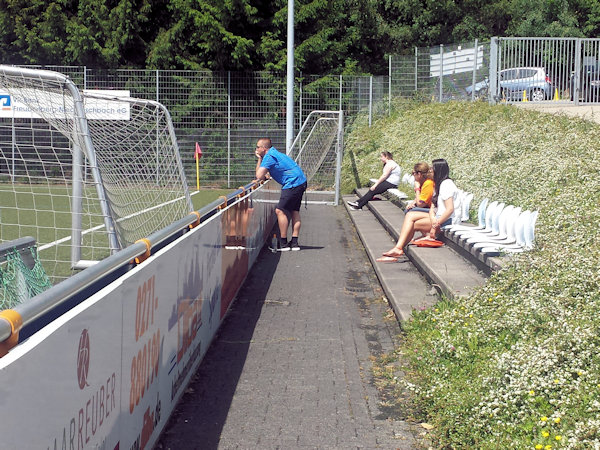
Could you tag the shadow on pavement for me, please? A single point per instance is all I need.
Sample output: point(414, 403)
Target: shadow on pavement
point(198, 420)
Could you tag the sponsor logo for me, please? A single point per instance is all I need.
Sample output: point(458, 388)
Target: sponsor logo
point(86, 422)
point(5, 102)
point(83, 359)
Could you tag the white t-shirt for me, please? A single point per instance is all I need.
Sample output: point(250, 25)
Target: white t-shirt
point(394, 176)
point(448, 189)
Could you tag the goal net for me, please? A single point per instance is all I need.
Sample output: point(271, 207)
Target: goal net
point(318, 150)
point(84, 173)
point(22, 275)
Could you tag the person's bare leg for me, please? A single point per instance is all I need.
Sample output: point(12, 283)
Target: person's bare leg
point(413, 221)
point(296, 223)
point(283, 222)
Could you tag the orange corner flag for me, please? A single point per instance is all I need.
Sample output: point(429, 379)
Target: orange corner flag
point(198, 152)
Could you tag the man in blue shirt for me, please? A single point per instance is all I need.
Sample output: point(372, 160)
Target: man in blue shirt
point(286, 172)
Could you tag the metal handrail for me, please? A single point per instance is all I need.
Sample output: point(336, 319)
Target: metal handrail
point(53, 297)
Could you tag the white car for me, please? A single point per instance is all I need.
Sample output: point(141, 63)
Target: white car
point(531, 82)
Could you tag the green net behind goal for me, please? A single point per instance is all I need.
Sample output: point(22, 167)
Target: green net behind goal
point(22, 275)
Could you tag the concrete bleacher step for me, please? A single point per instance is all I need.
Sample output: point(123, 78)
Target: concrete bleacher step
point(404, 286)
point(447, 270)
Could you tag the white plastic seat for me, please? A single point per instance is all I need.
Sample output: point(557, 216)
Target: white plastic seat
point(518, 246)
point(481, 211)
point(466, 206)
point(491, 211)
point(530, 230)
point(498, 220)
point(507, 231)
point(395, 192)
point(398, 193)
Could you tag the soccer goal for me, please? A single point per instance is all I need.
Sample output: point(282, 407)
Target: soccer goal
point(84, 173)
point(318, 149)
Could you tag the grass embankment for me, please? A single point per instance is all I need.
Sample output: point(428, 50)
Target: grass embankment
point(517, 363)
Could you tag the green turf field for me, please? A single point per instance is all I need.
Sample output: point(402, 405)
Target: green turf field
point(43, 211)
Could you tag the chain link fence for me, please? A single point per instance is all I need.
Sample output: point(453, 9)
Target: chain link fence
point(227, 112)
point(441, 73)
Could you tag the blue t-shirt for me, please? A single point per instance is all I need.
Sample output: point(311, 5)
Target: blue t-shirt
point(283, 169)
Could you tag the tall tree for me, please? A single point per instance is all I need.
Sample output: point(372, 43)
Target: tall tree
point(87, 34)
point(212, 34)
point(420, 22)
point(33, 31)
point(330, 36)
point(554, 18)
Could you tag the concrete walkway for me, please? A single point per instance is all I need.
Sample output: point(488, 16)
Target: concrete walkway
point(291, 366)
point(587, 112)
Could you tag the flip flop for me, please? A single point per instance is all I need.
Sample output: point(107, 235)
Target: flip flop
point(392, 255)
point(387, 259)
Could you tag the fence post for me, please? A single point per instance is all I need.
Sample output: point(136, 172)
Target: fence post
point(228, 129)
point(390, 87)
point(157, 86)
point(416, 68)
point(441, 71)
point(474, 71)
point(577, 77)
point(300, 121)
point(340, 151)
point(493, 75)
point(157, 134)
point(340, 92)
point(370, 100)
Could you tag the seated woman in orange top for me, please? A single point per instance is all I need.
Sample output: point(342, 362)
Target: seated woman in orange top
point(423, 188)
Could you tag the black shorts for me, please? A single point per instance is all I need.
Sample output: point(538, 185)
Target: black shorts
point(291, 199)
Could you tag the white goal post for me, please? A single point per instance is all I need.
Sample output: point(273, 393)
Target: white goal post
point(93, 171)
point(318, 149)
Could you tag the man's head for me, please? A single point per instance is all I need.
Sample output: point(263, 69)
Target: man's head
point(262, 146)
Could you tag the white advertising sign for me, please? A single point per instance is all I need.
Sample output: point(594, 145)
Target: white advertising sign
point(108, 373)
point(62, 388)
point(458, 61)
point(35, 104)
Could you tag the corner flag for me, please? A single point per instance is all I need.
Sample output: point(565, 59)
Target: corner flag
point(197, 156)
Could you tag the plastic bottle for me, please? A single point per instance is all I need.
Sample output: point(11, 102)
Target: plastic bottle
point(274, 244)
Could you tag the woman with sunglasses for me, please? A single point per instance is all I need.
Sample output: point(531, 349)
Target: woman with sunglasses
point(389, 179)
point(423, 188)
point(444, 211)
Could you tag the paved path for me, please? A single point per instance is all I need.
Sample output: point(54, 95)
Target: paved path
point(291, 366)
point(587, 112)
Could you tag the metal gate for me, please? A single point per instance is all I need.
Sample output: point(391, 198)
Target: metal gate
point(545, 69)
